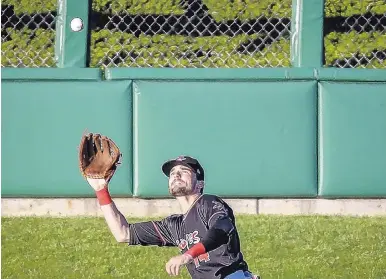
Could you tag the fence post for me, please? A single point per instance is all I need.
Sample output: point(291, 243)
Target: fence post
point(307, 33)
point(71, 41)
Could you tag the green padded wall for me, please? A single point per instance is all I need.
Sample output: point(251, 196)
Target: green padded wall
point(42, 123)
point(253, 138)
point(352, 136)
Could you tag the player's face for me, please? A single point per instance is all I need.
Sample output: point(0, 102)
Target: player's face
point(181, 181)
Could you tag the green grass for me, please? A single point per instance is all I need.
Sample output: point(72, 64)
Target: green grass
point(276, 247)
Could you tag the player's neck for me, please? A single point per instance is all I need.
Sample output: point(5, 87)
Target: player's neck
point(186, 202)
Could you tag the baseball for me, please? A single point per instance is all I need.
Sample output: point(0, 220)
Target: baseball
point(76, 24)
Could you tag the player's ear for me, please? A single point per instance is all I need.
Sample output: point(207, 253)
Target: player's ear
point(200, 185)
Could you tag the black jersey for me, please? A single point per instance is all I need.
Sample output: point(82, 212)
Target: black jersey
point(185, 230)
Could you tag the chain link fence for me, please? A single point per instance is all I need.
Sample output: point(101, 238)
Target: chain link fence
point(27, 34)
point(194, 34)
point(355, 34)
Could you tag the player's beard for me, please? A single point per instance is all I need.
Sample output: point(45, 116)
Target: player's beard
point(180, 188)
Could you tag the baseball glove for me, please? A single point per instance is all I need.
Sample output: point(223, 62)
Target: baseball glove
point(99, 157)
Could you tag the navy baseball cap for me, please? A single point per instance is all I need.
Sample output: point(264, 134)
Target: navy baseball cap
point(185, 161)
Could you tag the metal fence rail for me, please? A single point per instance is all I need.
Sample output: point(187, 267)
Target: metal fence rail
point(27, 34)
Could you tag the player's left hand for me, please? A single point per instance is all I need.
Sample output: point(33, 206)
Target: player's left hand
point(174, 264)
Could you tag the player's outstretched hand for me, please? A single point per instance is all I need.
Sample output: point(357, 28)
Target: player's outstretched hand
point(98, 158)
point(97, 183)
point(173, 266)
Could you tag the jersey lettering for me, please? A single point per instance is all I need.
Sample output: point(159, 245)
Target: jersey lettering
point(182, 244)
point(191, 239)
point(201, 258)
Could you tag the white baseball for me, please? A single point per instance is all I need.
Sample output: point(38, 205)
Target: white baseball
point(76, 24)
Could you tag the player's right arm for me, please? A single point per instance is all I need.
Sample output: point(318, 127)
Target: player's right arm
point(142, 233)
point(116, 222)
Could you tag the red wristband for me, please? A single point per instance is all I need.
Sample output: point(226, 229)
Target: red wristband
point(103, 196)
point(196, 250)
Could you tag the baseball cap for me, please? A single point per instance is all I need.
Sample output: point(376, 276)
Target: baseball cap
point(186, 161)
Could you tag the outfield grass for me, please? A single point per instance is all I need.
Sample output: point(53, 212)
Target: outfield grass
point(276, 247)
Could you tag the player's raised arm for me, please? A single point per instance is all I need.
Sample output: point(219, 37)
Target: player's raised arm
point(115, 220)
point(141, 233)
point(98, 160)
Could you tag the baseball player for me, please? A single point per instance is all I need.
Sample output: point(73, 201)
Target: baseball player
point(205, 233)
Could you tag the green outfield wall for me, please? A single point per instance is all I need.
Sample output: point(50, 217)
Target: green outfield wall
point(258, 132)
